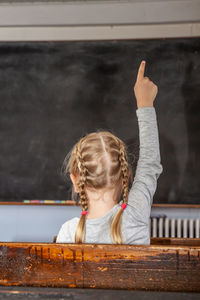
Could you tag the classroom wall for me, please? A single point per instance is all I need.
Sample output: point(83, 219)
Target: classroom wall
point(40, 223)
point(85, 20)
point(33, 223)
point(98, 12)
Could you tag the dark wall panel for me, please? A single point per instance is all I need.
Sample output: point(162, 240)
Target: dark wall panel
point(52, 93)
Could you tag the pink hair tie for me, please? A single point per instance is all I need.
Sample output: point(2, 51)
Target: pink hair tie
point(123, 205)
point(84, 212)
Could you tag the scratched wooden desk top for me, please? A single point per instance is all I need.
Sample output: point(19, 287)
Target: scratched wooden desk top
point(152, 267)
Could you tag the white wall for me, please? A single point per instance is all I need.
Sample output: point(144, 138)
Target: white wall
point(33, 223)
point(86, 13)
point(86, 20)
point(40, 223)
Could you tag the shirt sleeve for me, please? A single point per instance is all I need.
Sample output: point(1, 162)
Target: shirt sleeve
point(64, 235)
point(61, 238)
point(67, 231)
point(148, 168)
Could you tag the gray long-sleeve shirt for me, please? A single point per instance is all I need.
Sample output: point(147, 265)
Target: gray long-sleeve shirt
point(135, 218)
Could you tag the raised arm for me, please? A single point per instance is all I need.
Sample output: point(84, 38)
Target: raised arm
point(148, 166)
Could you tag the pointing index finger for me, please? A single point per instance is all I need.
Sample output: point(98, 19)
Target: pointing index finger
point(141, 70)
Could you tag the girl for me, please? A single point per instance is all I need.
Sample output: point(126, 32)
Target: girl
point(100, 173)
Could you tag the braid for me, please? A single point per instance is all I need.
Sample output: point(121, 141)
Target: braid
point(80, 231)
point(116, 226)
point(82, 180)
point(124, 169)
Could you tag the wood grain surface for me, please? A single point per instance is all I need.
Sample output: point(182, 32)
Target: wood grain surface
point(24, 293)
point(154, 267)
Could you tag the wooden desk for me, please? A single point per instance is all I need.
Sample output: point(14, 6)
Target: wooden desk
point(44, 293)
point(154, 267)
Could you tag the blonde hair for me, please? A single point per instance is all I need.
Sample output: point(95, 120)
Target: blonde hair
point(100, 160)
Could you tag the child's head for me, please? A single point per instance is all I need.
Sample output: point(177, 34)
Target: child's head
point(99, 161)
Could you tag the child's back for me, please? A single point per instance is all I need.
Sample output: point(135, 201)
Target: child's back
point(102, 175)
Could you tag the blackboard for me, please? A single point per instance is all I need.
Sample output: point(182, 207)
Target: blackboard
point(53, 93)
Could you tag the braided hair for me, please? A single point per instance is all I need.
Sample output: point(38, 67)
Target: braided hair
point(116, 226)
point(100, 160)
point(80, 231)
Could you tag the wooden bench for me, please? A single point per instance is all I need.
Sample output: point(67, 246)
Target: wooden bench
point(165, 265)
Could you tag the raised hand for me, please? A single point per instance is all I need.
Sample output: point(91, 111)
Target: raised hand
point(145, 90)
